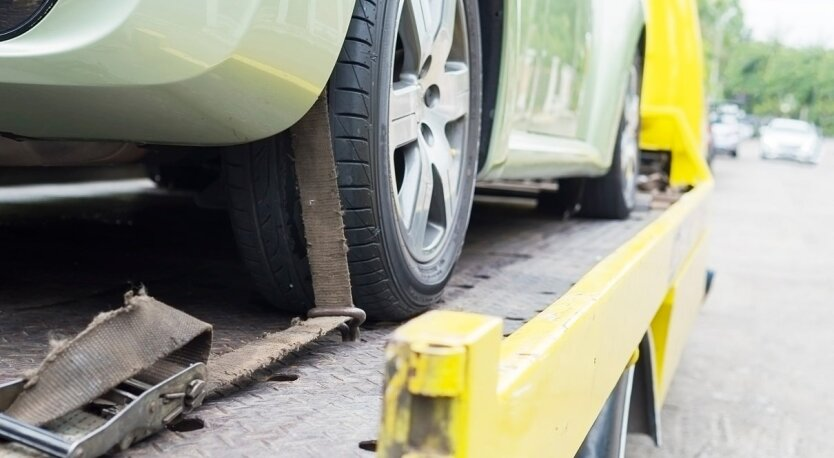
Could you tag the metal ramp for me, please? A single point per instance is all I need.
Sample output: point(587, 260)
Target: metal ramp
point(323, 400)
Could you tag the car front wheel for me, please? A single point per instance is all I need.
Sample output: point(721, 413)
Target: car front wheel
point(405, 114)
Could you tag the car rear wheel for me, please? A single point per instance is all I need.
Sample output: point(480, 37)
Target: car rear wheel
point(613, 195)
point(607, 437)
point(405, 110)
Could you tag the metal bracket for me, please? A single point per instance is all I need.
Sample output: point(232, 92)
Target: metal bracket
point(126, 414)
point(349, 330)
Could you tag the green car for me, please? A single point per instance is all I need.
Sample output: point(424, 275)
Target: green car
point(426, 98)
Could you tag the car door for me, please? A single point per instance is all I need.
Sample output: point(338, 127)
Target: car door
point(543, 70)
point(553, 54)
point(564, 67)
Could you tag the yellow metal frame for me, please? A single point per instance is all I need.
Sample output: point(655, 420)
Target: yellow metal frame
point(454, 387)
point(673, 111)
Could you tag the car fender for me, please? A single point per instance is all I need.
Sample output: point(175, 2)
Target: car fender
point(185, 72)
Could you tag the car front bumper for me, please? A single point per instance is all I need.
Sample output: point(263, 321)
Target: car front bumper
point(198, 72)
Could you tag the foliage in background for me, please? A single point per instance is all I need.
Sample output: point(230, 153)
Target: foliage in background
point(722, 26)
point(766, 79)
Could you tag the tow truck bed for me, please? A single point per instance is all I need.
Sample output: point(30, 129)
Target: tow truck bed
point(324, 400)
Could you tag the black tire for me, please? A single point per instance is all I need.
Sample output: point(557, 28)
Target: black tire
point(734, 153)
point(607, 437)
point(265, 213)
point(605, 197)
point(388, 283)
point(565, 201)
point(182, 177)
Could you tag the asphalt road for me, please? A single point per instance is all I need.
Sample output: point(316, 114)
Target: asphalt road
point(757, 375)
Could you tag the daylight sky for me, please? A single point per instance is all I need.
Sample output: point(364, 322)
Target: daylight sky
point(794, 22)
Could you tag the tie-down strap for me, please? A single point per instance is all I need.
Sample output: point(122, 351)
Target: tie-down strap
point(143, 336)
point(321, 211)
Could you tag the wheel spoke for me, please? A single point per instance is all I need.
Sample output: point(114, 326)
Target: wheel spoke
point(445, 160)
point(419, 223)
point(454, 91)
point(632, 102)
point(418, 31)
point(446, 31)
point(629, 140)
point(410, 187)
point(632, 112)
point(417, 201)
point(448, 16)
point(403, 113)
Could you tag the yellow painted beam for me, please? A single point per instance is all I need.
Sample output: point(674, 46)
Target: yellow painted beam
point(541, 389)
point(559, 368)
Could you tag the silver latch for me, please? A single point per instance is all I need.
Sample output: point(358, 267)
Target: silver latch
point(126, 414)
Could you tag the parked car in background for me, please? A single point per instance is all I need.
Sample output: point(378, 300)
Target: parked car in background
point(726, 130)
point(726, 135)
point(791, 139)
point(710, 145)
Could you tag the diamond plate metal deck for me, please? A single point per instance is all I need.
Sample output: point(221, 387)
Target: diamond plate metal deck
point(66, 259)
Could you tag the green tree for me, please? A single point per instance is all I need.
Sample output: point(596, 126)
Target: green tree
point(774, 80)
point(722, 26)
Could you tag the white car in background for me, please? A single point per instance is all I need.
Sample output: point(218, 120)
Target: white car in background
point(726, 134)
point(791, 139)
point(727, 129)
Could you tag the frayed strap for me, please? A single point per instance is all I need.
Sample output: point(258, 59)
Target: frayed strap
point(117, 345)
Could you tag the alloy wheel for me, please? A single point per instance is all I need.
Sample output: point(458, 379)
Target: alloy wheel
point(428, 109)
point(629, 139)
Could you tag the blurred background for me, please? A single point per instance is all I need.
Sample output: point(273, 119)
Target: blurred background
point(768, 62)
